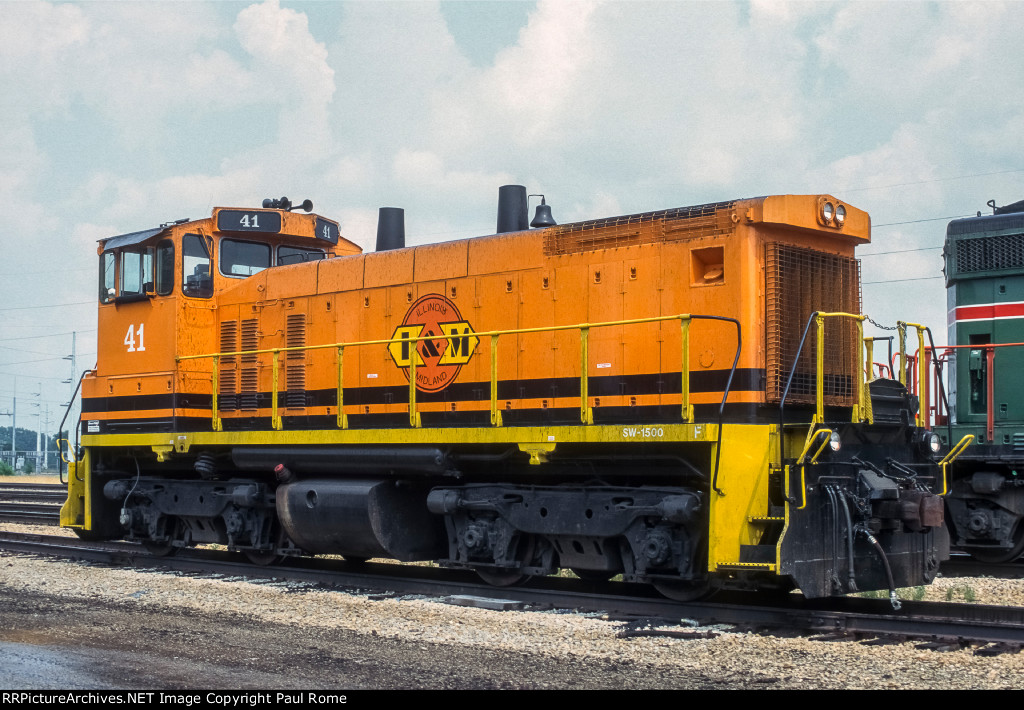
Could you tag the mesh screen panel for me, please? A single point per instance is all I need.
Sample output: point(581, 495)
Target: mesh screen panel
point(990, 253)
point(798, 282)
point(645, 228)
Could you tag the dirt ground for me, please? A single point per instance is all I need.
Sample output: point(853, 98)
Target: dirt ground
point(111, 645)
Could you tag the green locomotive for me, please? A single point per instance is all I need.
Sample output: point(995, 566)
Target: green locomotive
point(984, 268)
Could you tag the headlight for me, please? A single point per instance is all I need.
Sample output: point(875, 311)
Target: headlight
point(840, 215)
point(828, 211)
point(833, 441)
point(934, 443)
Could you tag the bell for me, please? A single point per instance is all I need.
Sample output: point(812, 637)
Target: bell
point(543, 218)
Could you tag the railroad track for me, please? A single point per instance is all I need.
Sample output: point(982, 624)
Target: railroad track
point(31, 503)
point(939, 625)
point(39, 504)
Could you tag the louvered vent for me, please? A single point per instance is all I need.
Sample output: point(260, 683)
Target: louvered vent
point(295, 361)
point(990, 253)
point(227, 393)
point(250, 380)
point(645, 228)
point(799, 282)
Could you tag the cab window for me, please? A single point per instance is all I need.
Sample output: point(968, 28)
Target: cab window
point(295, 255)
point(126, 274)
point(108, 271)
point(136, 275)
point(197, 279)
point(164, 267)
point(243, 258)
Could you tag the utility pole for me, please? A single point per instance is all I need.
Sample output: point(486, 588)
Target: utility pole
point(14, 427)
point(8, 414)
point(39, 412)
point(71, 382)
point(46, 441)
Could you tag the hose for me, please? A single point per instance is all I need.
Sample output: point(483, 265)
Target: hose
point(893, 599)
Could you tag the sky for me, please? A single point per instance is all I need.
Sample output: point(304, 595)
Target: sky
point(119, 116)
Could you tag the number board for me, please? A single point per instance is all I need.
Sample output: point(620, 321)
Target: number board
point(327, 230)
point(249, 221)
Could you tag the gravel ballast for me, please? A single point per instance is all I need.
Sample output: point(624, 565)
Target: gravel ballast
point(150, 629)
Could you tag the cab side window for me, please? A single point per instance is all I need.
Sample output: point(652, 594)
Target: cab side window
point(164, 267)
point(126, 274)
point(108, 270)
point(136, 276)
point(197, 279)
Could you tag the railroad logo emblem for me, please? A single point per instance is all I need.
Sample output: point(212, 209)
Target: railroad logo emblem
point(438, 360)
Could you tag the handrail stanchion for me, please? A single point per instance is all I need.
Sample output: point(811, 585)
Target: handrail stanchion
point(495, 412)
point(275, 419)
point(684, 324)
point(215, 386)
point(342, 417)
point(586, 412)
point(414, 417)
point(819, 370)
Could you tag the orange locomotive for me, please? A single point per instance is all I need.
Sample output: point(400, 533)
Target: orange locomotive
point(634, 395)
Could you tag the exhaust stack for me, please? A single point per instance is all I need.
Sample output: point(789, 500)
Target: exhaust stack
point(390, 228)
point(513, 213)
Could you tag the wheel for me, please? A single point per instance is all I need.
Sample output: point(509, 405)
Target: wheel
point(684, 591)
point(1001, 555)
point(159, 549)
point(263, 557)
point(593, 575)
point(506, 577)
point(498, 577)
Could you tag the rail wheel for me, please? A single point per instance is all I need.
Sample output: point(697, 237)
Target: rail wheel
point(499, 577)
point(1002, 555)
point(684, 591)
point(263, 558)
point(159, 549)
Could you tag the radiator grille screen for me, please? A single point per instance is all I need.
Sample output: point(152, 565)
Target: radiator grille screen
point(250, 379)
point(295, 361)
point(798, 282)
point(990, 253)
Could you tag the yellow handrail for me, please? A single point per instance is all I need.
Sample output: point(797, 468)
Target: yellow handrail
point(859, 409)
point(921, 374)
point(586, 411)
point(951, 457)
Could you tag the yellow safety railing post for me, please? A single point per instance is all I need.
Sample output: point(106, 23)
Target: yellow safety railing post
point(414, 416)
point(586, 411)
point(922, 375)
point(215, 377)
point(819, 396)
point(858, 408)
point(684, 324)
point(342, 417)
point(275, 419)
point(495, 412)
point(868, 411)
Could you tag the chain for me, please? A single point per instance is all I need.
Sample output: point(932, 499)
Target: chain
point(879, 325)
